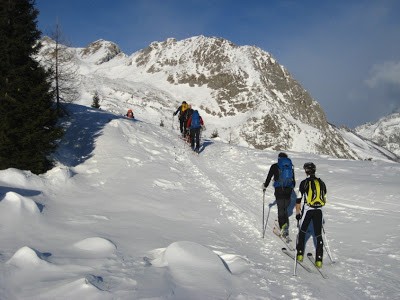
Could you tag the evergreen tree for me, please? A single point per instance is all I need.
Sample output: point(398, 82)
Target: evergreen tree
point(28, 130)
point(96, 100)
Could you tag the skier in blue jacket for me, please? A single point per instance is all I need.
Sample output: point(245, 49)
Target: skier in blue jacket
point(282, 194)
point(195, 123)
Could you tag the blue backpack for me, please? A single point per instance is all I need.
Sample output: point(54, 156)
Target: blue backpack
point(285, 173)
point(195, 120)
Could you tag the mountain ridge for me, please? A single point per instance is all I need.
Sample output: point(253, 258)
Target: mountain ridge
point(385, 132)
point(241, 91)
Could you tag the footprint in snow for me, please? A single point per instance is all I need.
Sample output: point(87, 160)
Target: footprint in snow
point(167, 185)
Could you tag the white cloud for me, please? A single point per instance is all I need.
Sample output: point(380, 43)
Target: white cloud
point(386, 73)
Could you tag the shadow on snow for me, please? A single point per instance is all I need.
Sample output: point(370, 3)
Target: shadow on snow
point(78, 143)
point(205, 144)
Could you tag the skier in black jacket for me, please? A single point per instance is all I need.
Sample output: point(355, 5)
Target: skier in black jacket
point(185, 117)
point(184, 106)
point(313, 194)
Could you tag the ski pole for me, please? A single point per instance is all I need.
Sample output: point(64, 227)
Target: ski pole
point(327, 246)
point(295, 255)
point(266, 222)
point(263, 230)
point(173, 119)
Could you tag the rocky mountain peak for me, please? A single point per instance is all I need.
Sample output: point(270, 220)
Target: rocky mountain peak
point(246, 80)
point(101, 51)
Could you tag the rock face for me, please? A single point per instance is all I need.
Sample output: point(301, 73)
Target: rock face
point(102, 51)
point(247, 81)
point(241, 91)
point(385, 132)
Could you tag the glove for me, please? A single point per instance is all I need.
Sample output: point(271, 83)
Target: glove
point(263, 187)
point(298, 217)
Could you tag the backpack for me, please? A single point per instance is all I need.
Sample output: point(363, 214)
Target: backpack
point(184, 107)
point(129, 114)
point(285, 173)
point(315, 193)
point(195, 120)
point(187, 114)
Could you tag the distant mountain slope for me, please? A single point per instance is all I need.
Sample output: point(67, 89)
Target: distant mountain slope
point(365, 148)
point(385, 132)
point(242, 92)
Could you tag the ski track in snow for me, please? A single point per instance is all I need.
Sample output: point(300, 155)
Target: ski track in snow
point(247, 222)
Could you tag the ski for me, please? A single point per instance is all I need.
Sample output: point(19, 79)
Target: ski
point(291, 255)
point(286, 240)
point(311, 258)
point(184, 139)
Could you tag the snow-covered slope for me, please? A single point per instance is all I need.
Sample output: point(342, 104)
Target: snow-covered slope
point(241, 91)
point(385, 132)
point(365, 148)
point(131, 213)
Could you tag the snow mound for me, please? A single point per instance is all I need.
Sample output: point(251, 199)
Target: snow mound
point(236, 263)
point(27, 257)
point(192, 267)
point(96, 245)
point(59, 175)
point(14, 202)
point(82, 288)
point(156, 258)
point(15, 177)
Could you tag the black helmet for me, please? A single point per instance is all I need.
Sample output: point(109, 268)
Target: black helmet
point(282, 154)
point(310, 168)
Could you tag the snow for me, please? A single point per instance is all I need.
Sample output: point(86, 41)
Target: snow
point(366, 149)
point(385, 132)
point(129, 212)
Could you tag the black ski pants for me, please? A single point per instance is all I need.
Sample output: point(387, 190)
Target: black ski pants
point(282, 196)
point(195, 138)
point(314, 215)
point(182, 124)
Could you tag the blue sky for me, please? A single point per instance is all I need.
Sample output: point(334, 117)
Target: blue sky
point(345, 53)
